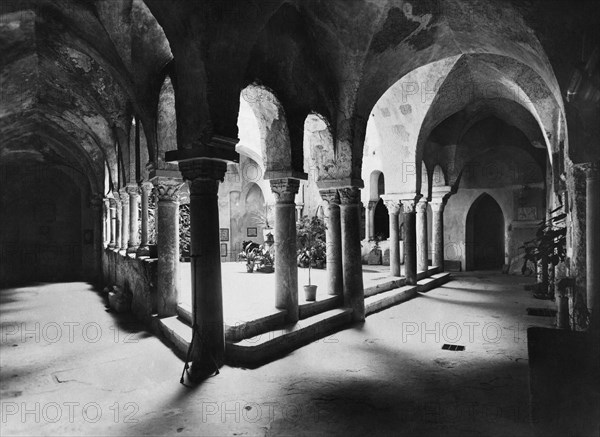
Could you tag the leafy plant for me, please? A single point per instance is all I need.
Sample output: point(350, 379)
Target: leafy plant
point(550, 243)
point(310, 243)
point(258, 257)
point(263, 217)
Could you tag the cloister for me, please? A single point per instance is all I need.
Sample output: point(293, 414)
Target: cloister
point(431, 137)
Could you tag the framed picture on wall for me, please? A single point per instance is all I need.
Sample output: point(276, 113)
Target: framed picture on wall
point(223, 250)
point(252, 232)
point(224, 234)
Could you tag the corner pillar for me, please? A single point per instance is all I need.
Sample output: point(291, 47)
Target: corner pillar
point(208, 346)
point(438, 204)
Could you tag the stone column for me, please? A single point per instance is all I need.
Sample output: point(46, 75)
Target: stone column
point(410, 241)
point(106, 227)
point(370, 220)
point(167, 241)
point(592, 228)
point(422, 240)
point(119, 221)
point(286, 269)
point(113, 223)
point(134, 239)
point(333, 235)
point(146, 189)
point(393, 206)
point(124, 218)
point(437, 228)
point(354, 294)
point(208, 348)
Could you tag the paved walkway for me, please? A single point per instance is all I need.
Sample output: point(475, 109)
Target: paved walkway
point(105, 375)
point(249, 295)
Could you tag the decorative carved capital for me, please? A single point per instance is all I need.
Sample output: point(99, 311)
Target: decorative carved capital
point(394, 206)
point(349, 195)
point(372, 204)
point(146, 188)
point(437, 206)
point(331, 196)
point(132, 190)
point(124, 197)
point(167, 189)
point(421, 206)
point(112, 202)
point(204, 175)
point(408, 205)
point(285, 189)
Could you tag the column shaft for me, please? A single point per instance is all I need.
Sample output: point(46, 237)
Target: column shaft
point(422, 240)
point(134, 239)
point(437, 228)
point(410, 242)
point(167, 240)
point(354, 296)
point(113, 223)
point(371, 234)
point(393, 206)
point(124, 219)
point(145, 189)
point(286, 269)
point(333, 236)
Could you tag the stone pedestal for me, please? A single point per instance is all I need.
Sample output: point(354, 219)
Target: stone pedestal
point(145, 189)
point(124, 219)
point(334, 242)
point(410, 241)
point(422, 238)
point(593, 237)
point(208, 347)
point(113, 223)
point(167, 241)
point(134, 239)
point(286, 269)
point(394, 206)
point(354, 296)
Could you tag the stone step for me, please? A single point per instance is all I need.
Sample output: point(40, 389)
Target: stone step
point(261, 349)
point(177, 333)
point(424, 285)
point(238, 330)
point(382, 287)
point(389, 298)
point(309, 309)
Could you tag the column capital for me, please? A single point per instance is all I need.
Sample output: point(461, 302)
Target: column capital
point(393, 204)
point(591, 169)
point(285, 189)
point(409, 205)
point(331, 196)
point(146, 187)
point(203, 168)
point(372, 204)
point(349, 195)
point(112, 202)
point(132, 189)
point(167, 189)
point(421, 206)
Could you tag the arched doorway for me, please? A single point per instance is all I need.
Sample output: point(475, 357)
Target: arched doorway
point(485, 235)
point(381, 216)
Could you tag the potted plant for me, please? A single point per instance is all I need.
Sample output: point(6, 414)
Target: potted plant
point(310, 241)
point(258, 257)
point(375, 255)
point(264, 217)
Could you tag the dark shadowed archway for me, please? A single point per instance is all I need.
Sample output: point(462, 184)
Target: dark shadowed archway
point(485, 235)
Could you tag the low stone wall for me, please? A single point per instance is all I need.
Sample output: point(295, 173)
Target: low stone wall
point(137, 276)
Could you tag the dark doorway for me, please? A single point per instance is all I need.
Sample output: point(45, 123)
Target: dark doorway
point(485, 235)
point(382, 221)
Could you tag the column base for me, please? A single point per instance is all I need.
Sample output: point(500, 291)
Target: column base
point(132, 250)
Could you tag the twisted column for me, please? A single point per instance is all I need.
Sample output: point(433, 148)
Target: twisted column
point(333, 235)
point(354, 296)
point(208, 345)
point(167, 240)
point(286, 269)
point(146, 189)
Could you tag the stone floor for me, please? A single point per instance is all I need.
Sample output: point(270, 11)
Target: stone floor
point(247, 296)
point(69, 367)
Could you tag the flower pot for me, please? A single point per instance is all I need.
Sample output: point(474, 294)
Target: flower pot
point(310, 292)
point(250, 267)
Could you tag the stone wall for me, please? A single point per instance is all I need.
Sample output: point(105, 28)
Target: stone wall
point(136, 276)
